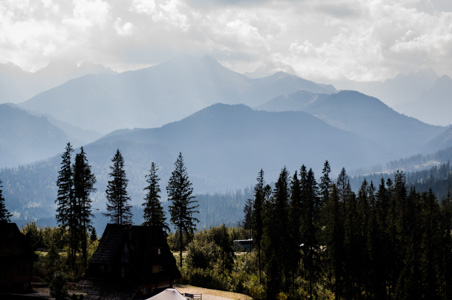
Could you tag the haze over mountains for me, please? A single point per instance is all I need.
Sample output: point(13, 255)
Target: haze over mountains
point(271, 122)
point(365, 116)
point(25, 138)
point(17, 85)
point(224, 147)
point(423, 95)
point(158, 95)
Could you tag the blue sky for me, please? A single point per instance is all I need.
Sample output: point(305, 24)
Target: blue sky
point(319, 40)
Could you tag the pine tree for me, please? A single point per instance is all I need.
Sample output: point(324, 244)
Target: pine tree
point(311, 230)
point(325, 183)
point(295, 213)
point(66, 203)
point(247, 223)
point(258, 217)
point(153, 210)
point(84, 181)
point(335, 240)
point(118, 207)
point(280, 233)
point(183, 205)
point(5, 215)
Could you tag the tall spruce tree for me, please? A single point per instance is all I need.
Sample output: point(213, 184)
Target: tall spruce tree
point(5, 215)
point(153, 209)
point(66, 203)
point(84, 181)
point(325, 183)
point(184, 205)
point(258, 217)
point(335, 251)
point(280, 227)
point(310, 231)
point(118, 207)
point(295, 219)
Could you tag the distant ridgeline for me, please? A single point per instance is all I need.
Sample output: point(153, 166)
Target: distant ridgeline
point(438, 177)
point(214, 209)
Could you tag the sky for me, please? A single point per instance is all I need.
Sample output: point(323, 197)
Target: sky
point(362, 40)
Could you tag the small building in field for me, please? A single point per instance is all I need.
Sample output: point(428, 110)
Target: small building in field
point(243, 245)
point(131, 262)
point(16, 259)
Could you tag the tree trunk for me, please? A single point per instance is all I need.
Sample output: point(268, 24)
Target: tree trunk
point(180, 246)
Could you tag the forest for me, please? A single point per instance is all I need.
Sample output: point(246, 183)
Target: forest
point(312, 239)
point(315, 240)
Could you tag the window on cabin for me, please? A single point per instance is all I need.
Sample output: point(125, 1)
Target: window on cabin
point(155, 269)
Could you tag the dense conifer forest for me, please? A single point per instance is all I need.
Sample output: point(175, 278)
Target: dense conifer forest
point(387, 241)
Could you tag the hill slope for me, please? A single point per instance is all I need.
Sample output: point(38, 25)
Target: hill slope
point(365, 116)
point(433, 105)
point(25, 138)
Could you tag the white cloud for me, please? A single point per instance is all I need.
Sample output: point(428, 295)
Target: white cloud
point(336, 39)
point(123, 28)
point(88, 13)
point(143, 6)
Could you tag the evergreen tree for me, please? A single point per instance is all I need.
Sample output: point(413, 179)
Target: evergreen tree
point(258, 215)
point(5, 215)
point(295, 219)
point(335, 251)
point(153, 209)
point(66, 203)
point(279, 227)
point(311, 231)
point(84, 181)
point(325, 183)
point(248, 215)
point(431, 243)
point(118, 207)
point(446, 246)
point(183, 205)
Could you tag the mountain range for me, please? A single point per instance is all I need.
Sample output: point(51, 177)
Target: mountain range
point(17, 85)
point(224, 146)
point(423, 94)
point(158, 95)
point(226, 125)
point(365, 116)
point(26, 138)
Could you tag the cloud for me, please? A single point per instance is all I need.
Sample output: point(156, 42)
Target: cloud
point(341, 39)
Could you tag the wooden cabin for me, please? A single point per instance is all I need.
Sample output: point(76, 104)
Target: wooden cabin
point(131, 262)
point(16, 259)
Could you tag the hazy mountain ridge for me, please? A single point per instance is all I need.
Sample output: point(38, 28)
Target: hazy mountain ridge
point(422, 94)
point(433, 105)
point(25, 138)
point(161, 94)
point(17, 85)
point(224, 147)
point(363, 115)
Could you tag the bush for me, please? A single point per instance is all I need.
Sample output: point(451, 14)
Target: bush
point(58, 288)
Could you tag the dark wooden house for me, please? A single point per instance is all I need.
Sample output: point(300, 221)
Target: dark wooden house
point(131, 262)
point(16, 259)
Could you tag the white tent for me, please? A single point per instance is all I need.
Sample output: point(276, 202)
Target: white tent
point(168, 294)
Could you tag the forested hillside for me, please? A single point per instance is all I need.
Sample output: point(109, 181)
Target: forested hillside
point(319, 239)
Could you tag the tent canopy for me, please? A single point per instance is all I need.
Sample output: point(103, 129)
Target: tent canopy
point(168, 294)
